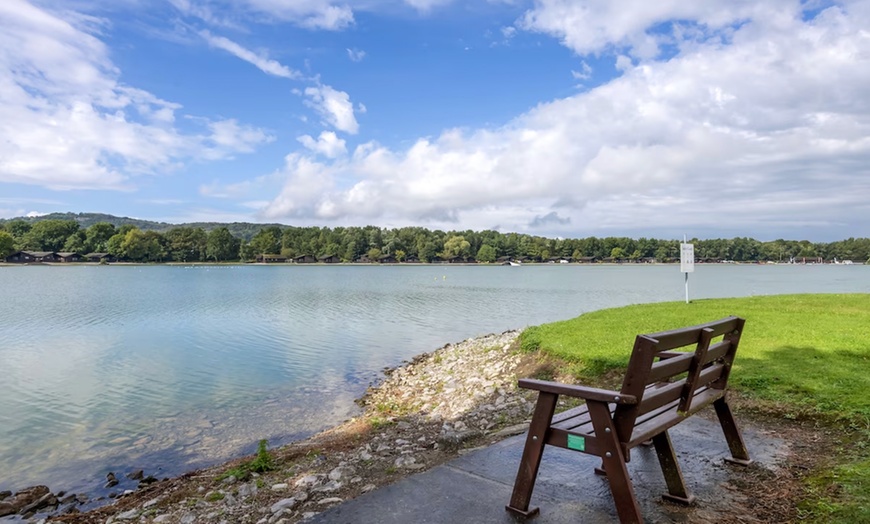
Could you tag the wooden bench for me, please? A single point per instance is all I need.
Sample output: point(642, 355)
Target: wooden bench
point(663, 385)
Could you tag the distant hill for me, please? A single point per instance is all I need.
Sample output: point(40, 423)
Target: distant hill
point(243, 230)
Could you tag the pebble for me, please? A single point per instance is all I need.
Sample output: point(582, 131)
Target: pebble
point(283, 504)
point(307, 480)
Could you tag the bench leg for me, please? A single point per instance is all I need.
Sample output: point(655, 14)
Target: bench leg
point(739, 455)
point(614, 464)
point(532, 452)
point(677, 491)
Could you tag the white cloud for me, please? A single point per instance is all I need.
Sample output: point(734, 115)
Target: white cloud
point(585, 72)
point(591, 26)
point(328, 144)
point(426, 5)
point(334, 107)
point(261, 61)
point(356, 55)
point(230, 136)
point(67, 122)
point(750, 133)
point(306, 182)
point(312, 14)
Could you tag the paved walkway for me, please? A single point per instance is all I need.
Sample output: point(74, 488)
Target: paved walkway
point(474, 488)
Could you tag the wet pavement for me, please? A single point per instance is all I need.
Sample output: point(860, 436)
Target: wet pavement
point(475, 487)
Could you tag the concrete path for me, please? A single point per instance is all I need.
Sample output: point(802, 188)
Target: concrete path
point(474, 488)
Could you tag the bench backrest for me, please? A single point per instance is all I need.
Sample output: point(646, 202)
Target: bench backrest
point(674, 365)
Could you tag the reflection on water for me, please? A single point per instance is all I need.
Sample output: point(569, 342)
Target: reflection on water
point(169, 368)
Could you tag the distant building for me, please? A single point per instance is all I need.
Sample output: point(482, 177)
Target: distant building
point(99, 257)
point(271, 259)
point(329, 259)
point(31, 257)
point(69, 257)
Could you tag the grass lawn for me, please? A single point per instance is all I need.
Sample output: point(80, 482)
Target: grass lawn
point(800, 356)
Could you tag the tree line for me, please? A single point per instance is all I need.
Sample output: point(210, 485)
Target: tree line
point(350, 244)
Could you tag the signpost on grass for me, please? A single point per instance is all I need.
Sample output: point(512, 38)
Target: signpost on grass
point(687, 262)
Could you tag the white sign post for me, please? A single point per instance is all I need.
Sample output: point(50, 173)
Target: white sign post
point(687, 262)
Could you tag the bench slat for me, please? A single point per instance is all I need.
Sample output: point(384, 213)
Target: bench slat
point(669, 368)
point(579, 422)
point(674, 390)
point(676, 338)
point(569, 414)
point(647, 430)
point(678, 362)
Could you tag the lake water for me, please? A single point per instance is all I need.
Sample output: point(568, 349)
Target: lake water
point(167, 368)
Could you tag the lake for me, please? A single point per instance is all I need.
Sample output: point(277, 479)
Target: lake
point(168, 368)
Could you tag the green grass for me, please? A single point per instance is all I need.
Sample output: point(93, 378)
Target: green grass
point(800, 356)
point(261, 463)
point(215, 496)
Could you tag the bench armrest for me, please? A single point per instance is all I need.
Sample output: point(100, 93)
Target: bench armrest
point(587, 393)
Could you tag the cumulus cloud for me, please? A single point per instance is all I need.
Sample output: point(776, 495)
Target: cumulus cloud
point(334, 107)
point(262, 62)
point(591, 26)
point(327, 144)
point(67, 122)
point(770, 124)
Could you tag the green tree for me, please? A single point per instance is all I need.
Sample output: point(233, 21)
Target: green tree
point(186, 244)
point(113, 246)
point(221, 245)
point(617, 253)
point(97, 237)
point(49, 235)
point(456, 246)
point(18, 229)
point(7, 244)
point(486, 253)
point(246, 252)
point(140, 246)
point(75, 243)
point(265, 243)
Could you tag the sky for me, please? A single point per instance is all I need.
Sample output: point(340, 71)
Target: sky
point(560, 118)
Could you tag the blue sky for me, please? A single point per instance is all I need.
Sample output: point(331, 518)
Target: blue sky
point(551, 117)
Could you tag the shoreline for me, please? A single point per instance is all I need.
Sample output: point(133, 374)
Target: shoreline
point(422, 413)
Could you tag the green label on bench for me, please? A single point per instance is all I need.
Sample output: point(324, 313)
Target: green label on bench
point(575, 442)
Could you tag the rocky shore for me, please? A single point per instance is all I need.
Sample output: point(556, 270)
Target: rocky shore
point(422, 414)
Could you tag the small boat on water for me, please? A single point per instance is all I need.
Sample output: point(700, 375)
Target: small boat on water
point(515, 263)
